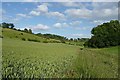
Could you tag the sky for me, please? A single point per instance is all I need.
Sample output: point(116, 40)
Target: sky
point(69, 19)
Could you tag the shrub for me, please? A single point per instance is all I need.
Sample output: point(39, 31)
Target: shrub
point(34, 40)
point(81, 48)
point(45, 41)
point(16, 36)
point(1, 36)
point(105, 35)
point(23, 39)
point(21, 33)
point(62, 41)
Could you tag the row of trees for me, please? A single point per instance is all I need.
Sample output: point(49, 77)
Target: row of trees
point(11, 26)
point(7, 25)
point(53, 36)
point(105, 35)
point(79, 39)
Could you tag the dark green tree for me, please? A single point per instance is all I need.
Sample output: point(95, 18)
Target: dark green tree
point(26, 30)
point(30, 31)
point(105, 35)
point(11, 25)
point(5, 25)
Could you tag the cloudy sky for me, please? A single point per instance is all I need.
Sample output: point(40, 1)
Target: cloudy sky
point(69, 19)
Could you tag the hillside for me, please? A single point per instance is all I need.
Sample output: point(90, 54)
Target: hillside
point(23, 58)
point(14, 34)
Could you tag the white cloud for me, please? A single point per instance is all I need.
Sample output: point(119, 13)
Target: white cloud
point(42, 8)
point(56, 15)
point(77, 35)
point(60, 25)
point(99, 11)
point(75, 23)
point(105, 14)
point(78, 13)
point(39, 27)
point(99, 21)
point(83, 28)
point(23, 15)
point(80, 35)
point(71, 4)
point(10, 19)
point(34, 13)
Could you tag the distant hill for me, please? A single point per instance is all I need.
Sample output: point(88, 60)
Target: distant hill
point(9, 31)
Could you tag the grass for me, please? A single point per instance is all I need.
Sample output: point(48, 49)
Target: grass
point(27, 59)
point(98, 63)
point(14, 34)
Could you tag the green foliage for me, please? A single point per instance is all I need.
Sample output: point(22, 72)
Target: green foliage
point(34, 40)
point(45, 41)
point(97, 63)
point(30, 31)
point(23, 59)
point(7, 33)
point(105, 35)
point(52, 36)
point(26, 30)
point(23, 39)
point(7, 25)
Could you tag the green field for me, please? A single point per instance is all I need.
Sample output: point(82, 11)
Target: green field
point(26, 59)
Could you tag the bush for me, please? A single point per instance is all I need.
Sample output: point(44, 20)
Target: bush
point(45, 41)
point(16, 36)
point(1, 36)
point(23, 39)
point(34, 40)
point(21, 33)
point(62, 41)
point(105, 35)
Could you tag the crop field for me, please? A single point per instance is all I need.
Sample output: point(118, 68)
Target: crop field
point(27, 59)
point(24, 59)
point(31, 59)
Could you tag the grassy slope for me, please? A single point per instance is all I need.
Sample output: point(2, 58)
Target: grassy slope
point(9, 33)
point(28, 59)
point(98, 63)
point(40, 59)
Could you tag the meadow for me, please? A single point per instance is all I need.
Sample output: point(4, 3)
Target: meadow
point(27, 59)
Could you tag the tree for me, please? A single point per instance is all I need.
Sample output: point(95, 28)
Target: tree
point(104, 35)
point(26, 30)
point(5, 25)
point(71, 39)
point(30, 31)
point(12, 25)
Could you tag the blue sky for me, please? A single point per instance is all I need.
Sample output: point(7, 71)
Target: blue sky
point(69, 19)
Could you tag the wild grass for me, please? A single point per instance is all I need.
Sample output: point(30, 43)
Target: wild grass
point(28, 59)
point(97, 63)
point(24, 59)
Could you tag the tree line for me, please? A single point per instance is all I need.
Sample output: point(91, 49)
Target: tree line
point(48, 36)
point(105, 35)
point(11, 26)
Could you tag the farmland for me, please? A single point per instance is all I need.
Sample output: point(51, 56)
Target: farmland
point(27, 59)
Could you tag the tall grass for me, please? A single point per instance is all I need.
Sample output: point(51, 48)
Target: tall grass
point(98, 63)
